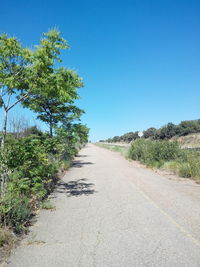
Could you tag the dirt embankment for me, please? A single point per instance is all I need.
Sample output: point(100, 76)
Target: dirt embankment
point(189, 141)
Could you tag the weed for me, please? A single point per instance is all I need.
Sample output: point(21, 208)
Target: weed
point(47, 205)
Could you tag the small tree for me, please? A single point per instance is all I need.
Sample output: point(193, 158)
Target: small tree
point(57, 104)
point(82, 132)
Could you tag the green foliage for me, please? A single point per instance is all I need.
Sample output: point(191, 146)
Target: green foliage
point(150, 133)
point(166, 132)
point(184, 170)
point(33, 130)
point(14, 60)
point(15, 210)
point(29, 165)
point(188, 127)
point(55, 89)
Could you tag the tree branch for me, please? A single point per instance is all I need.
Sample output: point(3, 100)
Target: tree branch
point(8, 101)
point(19, 100)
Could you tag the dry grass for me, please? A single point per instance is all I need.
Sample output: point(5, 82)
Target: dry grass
point(7, 241)
point(189, 141)
point(6, 237)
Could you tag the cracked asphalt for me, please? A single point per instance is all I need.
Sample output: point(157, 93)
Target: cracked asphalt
point(112, 212)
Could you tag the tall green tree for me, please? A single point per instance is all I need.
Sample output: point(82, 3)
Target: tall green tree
point(57, 104)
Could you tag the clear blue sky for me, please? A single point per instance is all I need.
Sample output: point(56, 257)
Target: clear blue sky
point(140, 59)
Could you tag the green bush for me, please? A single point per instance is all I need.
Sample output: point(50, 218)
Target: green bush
point(192, 158)
point(28, 166)
point(15, 209)
point(185, 170)
point(153, 152)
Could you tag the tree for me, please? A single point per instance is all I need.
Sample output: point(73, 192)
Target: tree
point(150, 133)
point(57, 104)
point(167, 131)
point(24, 72)
point(188, 127)
point(128, 137)
point(116, 139)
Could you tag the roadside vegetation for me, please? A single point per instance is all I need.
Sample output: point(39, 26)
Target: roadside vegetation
point(29, 158)
point(164, 154)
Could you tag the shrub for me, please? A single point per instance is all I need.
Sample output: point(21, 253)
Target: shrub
point(15, 209)
point(28, 166)
point(153, 153)
point(185, 170)
point(29, 173)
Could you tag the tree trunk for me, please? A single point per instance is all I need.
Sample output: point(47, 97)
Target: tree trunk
point(3, 175)
point(51, 126)
point(4, 128)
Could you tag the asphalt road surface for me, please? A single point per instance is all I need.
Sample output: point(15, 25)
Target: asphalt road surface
point(114, 213)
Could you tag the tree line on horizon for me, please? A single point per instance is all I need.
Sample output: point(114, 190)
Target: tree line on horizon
point(166, 132)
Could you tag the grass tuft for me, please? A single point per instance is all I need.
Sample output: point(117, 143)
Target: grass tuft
point(47, 205)
point(6, 237)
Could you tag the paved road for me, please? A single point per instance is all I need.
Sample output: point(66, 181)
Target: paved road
point(112, 213)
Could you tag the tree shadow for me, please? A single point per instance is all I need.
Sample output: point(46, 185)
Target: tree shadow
point(79, 163)
point(76, 188)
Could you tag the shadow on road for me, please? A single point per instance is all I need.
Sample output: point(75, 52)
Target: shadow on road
point(81, 156)
point(76, 188)
point(80, 163)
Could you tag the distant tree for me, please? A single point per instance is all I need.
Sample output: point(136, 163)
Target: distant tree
point(116, 139)
point(150, 133)
point(128, 137)
point(188, 127)
point(166, 132)
point(33, 130)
